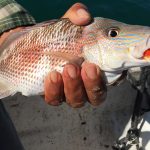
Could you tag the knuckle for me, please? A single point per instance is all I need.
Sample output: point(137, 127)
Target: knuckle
point(96, 95)
point(95, 101)
point(76, 104)
point(54, 102)
point(96, 90)
point(76, 100)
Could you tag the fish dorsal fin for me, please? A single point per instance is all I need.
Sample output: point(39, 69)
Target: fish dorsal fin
point(42, 24)
point(6, 89)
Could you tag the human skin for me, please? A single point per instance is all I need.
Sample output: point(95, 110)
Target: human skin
point(77, 84)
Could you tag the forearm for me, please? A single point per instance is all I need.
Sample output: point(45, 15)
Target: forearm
point(12, 18)
point(4, 35)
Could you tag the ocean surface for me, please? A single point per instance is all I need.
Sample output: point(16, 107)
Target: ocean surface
point(129, 11)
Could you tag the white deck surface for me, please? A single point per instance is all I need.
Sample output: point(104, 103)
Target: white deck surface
point(43, 127)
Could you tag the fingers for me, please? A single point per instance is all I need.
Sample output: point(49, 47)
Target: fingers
point(70, 84)
point(94, 85)
point(78, 14)
point(73, 86)
point(78, 86)
point(53, 88)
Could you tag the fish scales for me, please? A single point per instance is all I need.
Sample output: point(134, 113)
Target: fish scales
point(27, 60)
point(29, 55)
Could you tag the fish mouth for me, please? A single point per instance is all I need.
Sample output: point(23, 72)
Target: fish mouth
point(142, 50)
point(140, 53)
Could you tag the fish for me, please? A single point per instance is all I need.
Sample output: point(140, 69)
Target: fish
point(27, 56)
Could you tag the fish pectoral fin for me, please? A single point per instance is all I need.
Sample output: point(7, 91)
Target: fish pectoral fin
point(112, 78)
point(6, 89)
point(70, 58)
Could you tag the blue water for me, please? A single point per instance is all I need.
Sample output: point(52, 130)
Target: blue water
point(129, 11)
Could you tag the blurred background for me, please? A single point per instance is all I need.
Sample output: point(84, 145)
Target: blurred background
point(130, 11)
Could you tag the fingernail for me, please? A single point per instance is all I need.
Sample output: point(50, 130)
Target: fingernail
point(53, 76)
point(72, 71)
point(82, 13)
point(92, 71)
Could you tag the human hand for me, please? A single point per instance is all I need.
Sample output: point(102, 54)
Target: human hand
point(76, 84)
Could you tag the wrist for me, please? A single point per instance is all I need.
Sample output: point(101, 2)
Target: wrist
point(6, 34)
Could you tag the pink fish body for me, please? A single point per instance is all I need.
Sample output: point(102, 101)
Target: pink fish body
point(28, 56)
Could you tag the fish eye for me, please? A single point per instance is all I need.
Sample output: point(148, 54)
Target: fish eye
point(113, 32)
